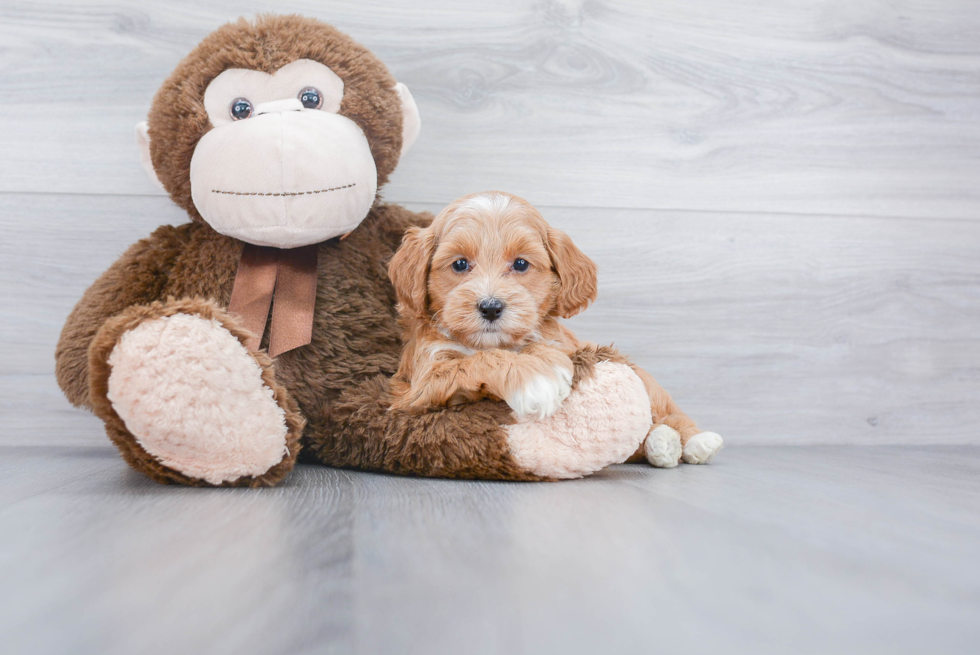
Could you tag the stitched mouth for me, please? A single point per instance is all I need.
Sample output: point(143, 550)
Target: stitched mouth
point(284, 193)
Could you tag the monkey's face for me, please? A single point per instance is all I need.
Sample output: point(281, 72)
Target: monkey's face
point(278, 132)
point(281, 167)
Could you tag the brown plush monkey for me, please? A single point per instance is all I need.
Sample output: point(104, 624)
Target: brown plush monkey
point(275, 136)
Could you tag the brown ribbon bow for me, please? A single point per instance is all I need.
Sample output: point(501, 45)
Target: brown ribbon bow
point(289, 275)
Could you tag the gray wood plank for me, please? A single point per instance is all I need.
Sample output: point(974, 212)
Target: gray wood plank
point(835, 106)
point(767, 550)
point(767, 329)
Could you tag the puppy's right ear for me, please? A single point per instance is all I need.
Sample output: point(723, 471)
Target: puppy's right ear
point(576, 274)
point(409, 271)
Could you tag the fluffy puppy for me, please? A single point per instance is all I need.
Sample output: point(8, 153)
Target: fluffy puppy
point(480, 292)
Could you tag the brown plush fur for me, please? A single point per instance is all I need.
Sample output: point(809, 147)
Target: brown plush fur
point(334, 391)
point(337, 382)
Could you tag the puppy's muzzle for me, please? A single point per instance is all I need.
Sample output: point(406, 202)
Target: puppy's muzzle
point(490, 309)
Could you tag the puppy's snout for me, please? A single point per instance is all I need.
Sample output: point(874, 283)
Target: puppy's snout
point(490, 309)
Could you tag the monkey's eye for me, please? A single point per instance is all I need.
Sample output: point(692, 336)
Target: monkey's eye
point(461, 265)
point(240, 109)
point(311, 98)
point(521, 264)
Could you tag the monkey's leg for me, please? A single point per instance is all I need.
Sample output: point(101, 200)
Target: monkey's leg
point(186, 402)
point(602, 422)
point(675, 436)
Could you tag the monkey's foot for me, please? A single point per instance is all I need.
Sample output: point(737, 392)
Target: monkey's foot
point(663, 447)
point(700, 448)
point(198, 403)
point(602, 422)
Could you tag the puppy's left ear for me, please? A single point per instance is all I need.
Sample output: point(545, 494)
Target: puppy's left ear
point(576, 273)
point(409, 271)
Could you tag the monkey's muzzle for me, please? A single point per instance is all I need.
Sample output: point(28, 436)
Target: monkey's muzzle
point(287, 177)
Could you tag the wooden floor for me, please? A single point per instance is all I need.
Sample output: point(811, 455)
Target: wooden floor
point(827, 549)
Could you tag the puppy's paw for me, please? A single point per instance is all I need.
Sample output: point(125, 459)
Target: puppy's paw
point(663, 447)
point(564, 376)
point(700, 448)
point(542, 395)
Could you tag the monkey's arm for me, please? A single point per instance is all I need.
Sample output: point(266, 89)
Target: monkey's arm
point(483, 439)
point(139, 276)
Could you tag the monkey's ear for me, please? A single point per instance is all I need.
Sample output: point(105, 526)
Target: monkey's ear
point(411, 121)
point(143, 143)
point(409, 271)
point(576, 274)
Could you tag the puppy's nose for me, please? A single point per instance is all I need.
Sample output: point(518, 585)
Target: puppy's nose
point(491, 308)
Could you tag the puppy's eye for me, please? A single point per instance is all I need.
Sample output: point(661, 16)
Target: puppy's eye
point(461, 265)
point(521, 265)
point(311, 98)
point(240, 109)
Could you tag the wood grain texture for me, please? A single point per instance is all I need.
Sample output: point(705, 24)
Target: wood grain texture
point(767, 550)
point(826, 107)
point(767, 329)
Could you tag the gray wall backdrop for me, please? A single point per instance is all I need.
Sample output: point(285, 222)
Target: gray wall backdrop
point(782, 195)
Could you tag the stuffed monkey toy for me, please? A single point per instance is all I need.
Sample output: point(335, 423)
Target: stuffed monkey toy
point(264, 330)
